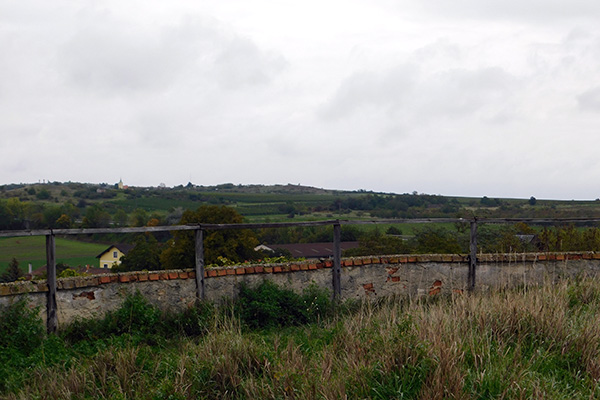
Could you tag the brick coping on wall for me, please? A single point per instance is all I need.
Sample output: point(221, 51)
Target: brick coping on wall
point(36, 286)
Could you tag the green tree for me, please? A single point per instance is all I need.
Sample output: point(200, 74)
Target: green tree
point(139, 217)
point(439, 240)
point(51, 215)
point(43, 194)
point(120, 218)
point(376, 243)
point(234, 244)
point(144, 256)
point(96, 217)
point(64, 221)
point(13, 272)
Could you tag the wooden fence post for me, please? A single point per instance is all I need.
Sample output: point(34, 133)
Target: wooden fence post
point(200, 295)
point(472, 256)
point(337, 261)
point(51, 321)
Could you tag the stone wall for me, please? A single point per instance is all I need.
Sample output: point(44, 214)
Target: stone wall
point(362, 277)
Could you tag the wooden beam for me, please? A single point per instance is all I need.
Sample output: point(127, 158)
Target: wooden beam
point(52, 320)
point(337, 261)
point(472, 256)
point(200, 294)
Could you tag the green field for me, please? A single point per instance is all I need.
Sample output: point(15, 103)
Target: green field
point(32, 250)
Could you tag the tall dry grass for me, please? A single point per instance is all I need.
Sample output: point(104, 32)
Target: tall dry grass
point(535, 342)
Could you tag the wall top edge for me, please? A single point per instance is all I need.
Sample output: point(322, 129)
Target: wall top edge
point(37, 286)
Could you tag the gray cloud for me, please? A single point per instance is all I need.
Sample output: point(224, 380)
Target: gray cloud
point(590, 100)
point(387, 90)
point(241, 64)
point(531, 10)
point(407, 97)
point(114, 58)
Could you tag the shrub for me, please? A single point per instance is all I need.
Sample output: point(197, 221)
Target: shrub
point(194, 321)
point(21, 327)
point(267, 305)
point(144, 321)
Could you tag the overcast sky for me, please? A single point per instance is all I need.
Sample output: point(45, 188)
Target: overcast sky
point(466, 97)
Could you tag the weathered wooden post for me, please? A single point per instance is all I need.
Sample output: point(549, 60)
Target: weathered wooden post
point(200, 295)
point(472, 256)
point(337, 261)
point(51, 321)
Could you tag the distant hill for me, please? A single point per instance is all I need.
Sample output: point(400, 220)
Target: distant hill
point(41, 204)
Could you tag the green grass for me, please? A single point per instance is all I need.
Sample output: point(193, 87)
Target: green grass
point(32, 249)
point(535, 342)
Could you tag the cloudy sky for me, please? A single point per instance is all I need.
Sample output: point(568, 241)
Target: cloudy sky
point(498, 97)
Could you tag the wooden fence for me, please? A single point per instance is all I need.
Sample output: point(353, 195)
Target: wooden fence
point(199, 230)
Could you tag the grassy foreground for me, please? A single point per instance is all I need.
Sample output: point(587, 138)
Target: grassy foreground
point(529, 343)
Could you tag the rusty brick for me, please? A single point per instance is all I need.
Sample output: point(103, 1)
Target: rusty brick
point(192, 274)
point(249, 270)
point(123, 278)
point(173, 275)
point(114, 278)
point(153, 277)
point(368, 286)
point(328, 264)
point(222, 272)
point(423, 259)
point(552, 257)
point(277, 269)
point(347, 263)
point(93, 281)
point(240, 271)
point(392, 271)
point(312, 266)
point(268, 270)
point(185, 275)
point(104, 279)
point(259, 269)
point(375, 260)
point(143, 277)
point(365, 261)
point(320, 265)
point(212, 273)
point(357, 262)
point(295, 267)
point(575, 256)
point(586, 256)
point(412, 259)
point(542, 257)
point(230, 271)
point(434, 291)
point(395, 279)
point(560, 257)
point(437, 283)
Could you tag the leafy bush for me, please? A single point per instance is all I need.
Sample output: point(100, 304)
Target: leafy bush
point(268, 305)
point(21, 327)
point(143, 321)
point(194, 321)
